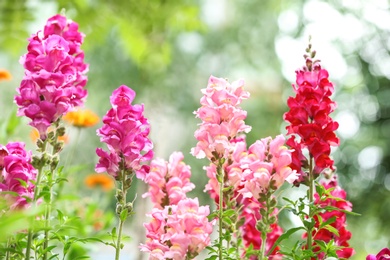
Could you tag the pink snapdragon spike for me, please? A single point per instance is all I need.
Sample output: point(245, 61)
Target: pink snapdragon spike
point(338, 200)
point(168, 181)
point(310, 124)
point(125, 131)
point(54, 80)
point(179, 231)
point(222, 118)
point(265, 167)
point(17, 175)
point(384, 254)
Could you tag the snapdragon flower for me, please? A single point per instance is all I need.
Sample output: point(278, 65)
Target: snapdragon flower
point(54, 78)
point(125, 131)
point(17, 175)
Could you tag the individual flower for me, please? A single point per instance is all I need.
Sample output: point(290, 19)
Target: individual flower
point(222, 118)
point(99, 180)
point(336, 199)
point(310, 124)
point(179, 231)
point(54, 78)
point(125, 131)
point(168, 181)
point(81, 118)
point(5, 75)
point(382, 255)
point(17, 175)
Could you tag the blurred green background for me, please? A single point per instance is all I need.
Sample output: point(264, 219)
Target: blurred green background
point(166, 50)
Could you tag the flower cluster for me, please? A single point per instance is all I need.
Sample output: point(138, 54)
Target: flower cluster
point(178, 231)
point(17, 174)
point(125, 130)
point(336, 199)
point(309, 118)
point(54, 78)
point(168, 181)
point(222, 118)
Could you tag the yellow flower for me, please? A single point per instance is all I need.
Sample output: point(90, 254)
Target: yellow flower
point(82, 118)
point(101, 180)
point(5, 75)
point(34, 135)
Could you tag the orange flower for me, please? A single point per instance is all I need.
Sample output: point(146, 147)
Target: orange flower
point(82, 118)
point(100, 180)
point(5, 75)
point(34, 135)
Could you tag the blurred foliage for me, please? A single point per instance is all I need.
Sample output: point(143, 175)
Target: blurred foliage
point(166, 50)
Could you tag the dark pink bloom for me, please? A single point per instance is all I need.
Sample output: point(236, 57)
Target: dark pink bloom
point(384, 254)
point(125, 130)
point(54, 78)
point(17, 175)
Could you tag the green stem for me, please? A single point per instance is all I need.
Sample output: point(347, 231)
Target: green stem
point(121, 222)
point(118, 242)
point(220, 216)
point(266, 224)
point(311, 200)
point(36, 194)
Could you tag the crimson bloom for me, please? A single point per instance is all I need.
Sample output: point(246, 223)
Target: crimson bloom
point(310, 124)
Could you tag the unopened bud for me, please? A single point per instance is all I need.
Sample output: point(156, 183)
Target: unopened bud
point(118, 209)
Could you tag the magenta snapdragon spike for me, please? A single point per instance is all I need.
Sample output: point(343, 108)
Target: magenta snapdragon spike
point(310, 124)
point(384, 254)
point(54, 78)
point(17, 175)
point(179, 231)
point(337, 200)
point(222, 118)
point(168, 181)
point(125, 131)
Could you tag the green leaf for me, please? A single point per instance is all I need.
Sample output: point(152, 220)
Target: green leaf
point(284, 236)
point(123, 215)
point(328, 222)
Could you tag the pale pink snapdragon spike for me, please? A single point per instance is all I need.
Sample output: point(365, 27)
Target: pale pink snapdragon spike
point(266, 167)
point(125, 131)
point(222, 118)
point(179, 231)
point(55, 71)
point(168, 181)
point(17, 175)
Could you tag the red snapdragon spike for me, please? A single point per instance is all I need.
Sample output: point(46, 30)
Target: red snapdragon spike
point(309, 119)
